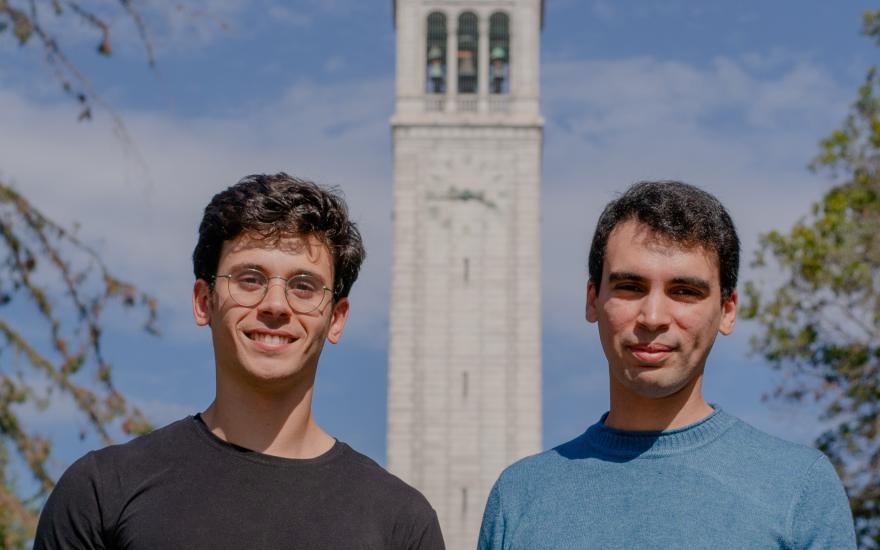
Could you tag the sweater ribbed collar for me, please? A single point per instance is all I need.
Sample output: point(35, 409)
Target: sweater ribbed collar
point(627, 444)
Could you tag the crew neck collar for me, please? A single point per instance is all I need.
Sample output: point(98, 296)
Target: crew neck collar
point(630, 444)
point(199, 425)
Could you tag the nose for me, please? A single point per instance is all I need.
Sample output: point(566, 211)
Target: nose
point(275, 301)
point(654, 312)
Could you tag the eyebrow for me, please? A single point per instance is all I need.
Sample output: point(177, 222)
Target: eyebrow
point(696, 282)
point(261, 269)
point(240, 266)
point(619, 276)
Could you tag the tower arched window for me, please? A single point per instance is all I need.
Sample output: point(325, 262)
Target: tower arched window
point(435, 69)
point(499, 53)
point(468, 39)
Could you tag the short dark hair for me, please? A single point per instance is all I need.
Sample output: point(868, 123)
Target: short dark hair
point(275, 206)
point(678, 211)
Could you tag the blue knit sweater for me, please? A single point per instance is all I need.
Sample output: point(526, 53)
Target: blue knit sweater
point(719, 483)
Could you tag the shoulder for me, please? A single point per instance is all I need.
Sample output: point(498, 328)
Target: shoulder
point(72, 515)
point(160, 445)
point(786, 472)
point(80, 509)
point(115, 469)
point(817, 512)
point(771, 453)
point(534, 464)
point(534, 481)
point(363, 473)
point(177, 432)
point(544, 472)
point(159, 442)
point(414, 522)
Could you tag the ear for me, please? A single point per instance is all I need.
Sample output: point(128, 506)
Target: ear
point(728, 315)
point(592, 312)
point(202, 302)
point(337, 320)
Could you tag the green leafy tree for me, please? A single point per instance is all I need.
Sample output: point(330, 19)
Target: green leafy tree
point(821, 324)
point(53, 291)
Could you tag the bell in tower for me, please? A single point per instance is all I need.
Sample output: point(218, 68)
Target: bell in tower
point(436, 46)
point(464, 397)
point(499, 45)
point(467, 53)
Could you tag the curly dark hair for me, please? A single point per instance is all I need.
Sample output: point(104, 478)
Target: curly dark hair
point(678, 211)
point(274, 206)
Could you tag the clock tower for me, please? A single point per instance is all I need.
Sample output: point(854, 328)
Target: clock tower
point(464, 397)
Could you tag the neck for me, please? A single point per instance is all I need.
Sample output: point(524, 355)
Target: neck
point(633, 412)
point(278, 424)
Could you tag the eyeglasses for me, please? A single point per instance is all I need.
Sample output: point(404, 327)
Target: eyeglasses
point(305, 293)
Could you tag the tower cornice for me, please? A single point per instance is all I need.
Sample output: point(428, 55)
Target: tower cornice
point(394, 14)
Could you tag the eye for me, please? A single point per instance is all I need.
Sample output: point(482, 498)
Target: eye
point(686, 292)
point(303, 286)
point(627, 287)
point(250, 280)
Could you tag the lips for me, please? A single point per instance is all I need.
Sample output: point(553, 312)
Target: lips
point(651, 354)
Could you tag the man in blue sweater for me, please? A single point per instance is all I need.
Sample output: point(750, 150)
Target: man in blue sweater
point(664, 468)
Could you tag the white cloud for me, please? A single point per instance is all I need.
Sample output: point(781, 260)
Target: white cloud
point(146, 224)
point(744, 136)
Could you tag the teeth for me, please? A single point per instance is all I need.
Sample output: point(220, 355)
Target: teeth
point(271, 339)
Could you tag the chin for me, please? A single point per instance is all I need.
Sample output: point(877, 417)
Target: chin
point(656, 391)
point(276, 382)
point(651, 384)
point(270, 370)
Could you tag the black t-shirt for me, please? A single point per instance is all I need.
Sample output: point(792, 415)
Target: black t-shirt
point(182, 487)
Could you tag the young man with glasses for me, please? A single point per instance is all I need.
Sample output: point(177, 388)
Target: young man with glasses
point(274, 264)
point(664, 468)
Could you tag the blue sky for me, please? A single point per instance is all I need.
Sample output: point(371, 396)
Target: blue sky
point(732, 96)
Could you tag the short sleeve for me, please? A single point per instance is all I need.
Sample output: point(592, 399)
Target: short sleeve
point(820, 517)
point(71, 517)
point(492, 529)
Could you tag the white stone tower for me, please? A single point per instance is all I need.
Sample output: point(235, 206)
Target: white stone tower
point(464, 397)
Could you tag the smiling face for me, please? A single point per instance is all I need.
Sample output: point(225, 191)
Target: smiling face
point(659, 309)
point(269, 346)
